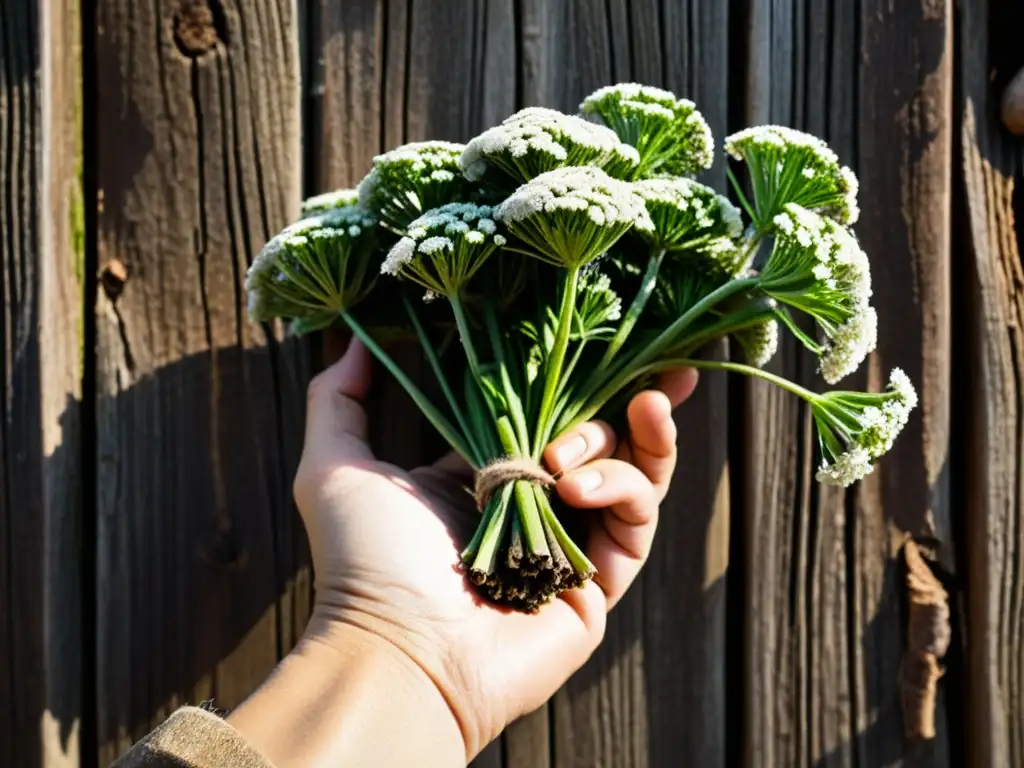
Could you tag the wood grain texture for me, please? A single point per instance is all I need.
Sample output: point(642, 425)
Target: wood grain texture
point(993, 171)
point(684, 588)
point(801, 63)
point(41, 292)
point(199, 413)
point(905, 153)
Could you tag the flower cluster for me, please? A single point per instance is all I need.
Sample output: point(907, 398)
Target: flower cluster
point(789, 166)
point(444, 247)
point(670, 135)
point(759, 341)
point(412, 179)
point(569, 263)
point(536, 140)
point(314, 269)
point(686, 214)
point(817, 267)
point(856, 428)
point(570, 216)
point(597, 305)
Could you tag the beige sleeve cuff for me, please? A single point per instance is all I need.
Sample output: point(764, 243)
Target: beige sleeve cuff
point(193, 738)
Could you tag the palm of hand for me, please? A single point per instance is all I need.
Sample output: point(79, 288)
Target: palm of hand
point(393, 574)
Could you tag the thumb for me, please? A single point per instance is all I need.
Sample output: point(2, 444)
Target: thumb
point(336, 427)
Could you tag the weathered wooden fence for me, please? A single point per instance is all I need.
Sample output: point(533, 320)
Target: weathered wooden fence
point(149, 552)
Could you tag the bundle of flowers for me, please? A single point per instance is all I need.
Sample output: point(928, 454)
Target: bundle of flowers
point(562, 262)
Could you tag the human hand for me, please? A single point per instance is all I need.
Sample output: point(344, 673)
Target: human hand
point(385, 556)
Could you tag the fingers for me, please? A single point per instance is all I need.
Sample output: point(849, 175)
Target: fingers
point(652, 438)
point(619, 545)
point(583, 443)
point(678, 385)
point(335, 418)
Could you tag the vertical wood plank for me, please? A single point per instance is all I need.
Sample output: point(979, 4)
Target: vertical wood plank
point(198, 411)
point(684, 587)
point(800, 71)
point(41, 285)
point(823, 649)
point(905, 141)
point(992, 170)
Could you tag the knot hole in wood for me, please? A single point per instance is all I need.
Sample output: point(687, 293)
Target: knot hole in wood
point(199, 25)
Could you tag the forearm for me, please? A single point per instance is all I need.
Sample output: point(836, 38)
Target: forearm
point(347, 697)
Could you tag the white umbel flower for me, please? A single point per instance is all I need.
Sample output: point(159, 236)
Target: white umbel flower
point(849, 345)
point(536, 140)
point(846, 469)
point(572, 215)
point(670, 135)
point(759, 342)
point(412, 179)
point(686, 214)
point(849, 450)
point(790, 166)
point(445, 247)
point(314, 268)
point(816, 266)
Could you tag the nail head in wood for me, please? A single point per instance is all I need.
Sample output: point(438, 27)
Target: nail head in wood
point(1013, 105)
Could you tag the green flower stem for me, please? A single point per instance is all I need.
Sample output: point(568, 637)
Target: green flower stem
point(473, 547)
point(556, 359)
point(494, 533)
point(737, 321)
point(589, 402)
point(786, 319)
point(515, 405)
point(434, 416)
point(530, 521)
point(738, 188)
point(647, 285)
point(579, 561)
point(442, 380)
point(462, 322)
point(567, 373)
point(528, 514)
point(480, 417)
point(748, 370)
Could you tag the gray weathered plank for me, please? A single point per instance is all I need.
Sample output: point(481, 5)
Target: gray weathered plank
point(198, 412)
point(993, 166)
point(905, 152)
point(797, 692)
point(825, 651)
point(41, 346)
point(684, 588)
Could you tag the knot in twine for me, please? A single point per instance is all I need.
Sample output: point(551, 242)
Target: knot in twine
point(928, 636)
point(496, 474)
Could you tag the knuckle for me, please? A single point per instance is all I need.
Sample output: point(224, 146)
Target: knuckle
point(316, 385)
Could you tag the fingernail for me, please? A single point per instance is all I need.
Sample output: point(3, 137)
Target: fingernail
point(588, 481)
point(570, 450)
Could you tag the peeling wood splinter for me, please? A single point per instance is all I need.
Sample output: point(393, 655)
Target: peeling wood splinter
point(928, 637)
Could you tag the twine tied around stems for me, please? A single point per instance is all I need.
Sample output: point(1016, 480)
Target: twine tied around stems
point(491, 477)
point(928, 636)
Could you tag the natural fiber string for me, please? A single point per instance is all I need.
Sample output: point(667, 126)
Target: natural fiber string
point(927, 642)
point(494, 475)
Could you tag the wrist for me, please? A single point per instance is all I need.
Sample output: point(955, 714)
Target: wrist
point(346, 696)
